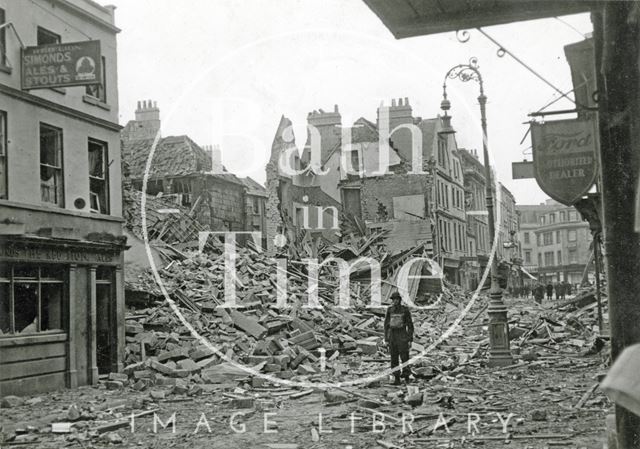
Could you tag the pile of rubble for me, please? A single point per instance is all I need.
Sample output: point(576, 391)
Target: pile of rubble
point(568, 328)
point(283, 342)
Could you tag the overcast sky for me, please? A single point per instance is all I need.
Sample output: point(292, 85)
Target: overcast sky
point(250, 62)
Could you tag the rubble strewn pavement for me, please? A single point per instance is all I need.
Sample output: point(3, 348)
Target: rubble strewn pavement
point(168, 368)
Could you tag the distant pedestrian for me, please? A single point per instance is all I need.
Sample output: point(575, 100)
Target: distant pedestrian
point(568, 288)
point(398, 333)
point(538, 293)
point(549, 291)
point(560, 291)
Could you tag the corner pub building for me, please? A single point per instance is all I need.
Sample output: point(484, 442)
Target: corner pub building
point(61, 241)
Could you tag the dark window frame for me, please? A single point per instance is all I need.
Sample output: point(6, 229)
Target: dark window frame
point(99, 91)
point(3, 39)
point(59, 169)
point(47, 37)
point(104, 203)
point(10, 278)
point(4, 157)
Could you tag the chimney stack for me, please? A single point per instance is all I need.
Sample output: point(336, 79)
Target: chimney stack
point(146, 124)
point(328, 125)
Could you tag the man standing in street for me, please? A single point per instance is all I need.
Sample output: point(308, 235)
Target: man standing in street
point(398, 333)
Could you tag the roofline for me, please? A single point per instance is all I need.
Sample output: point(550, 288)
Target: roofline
point(87, 15)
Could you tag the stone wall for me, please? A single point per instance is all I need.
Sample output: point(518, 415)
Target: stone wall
point(377, 194)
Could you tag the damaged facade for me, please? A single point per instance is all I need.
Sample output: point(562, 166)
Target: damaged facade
point(181, 171)
point(414, 206)
point(61, 242)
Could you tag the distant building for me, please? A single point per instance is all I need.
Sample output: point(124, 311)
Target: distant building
point(555, 241)
point(61, 237)
point(415, 205)
point(506, 220)
point(181, 169)
point(476, 212)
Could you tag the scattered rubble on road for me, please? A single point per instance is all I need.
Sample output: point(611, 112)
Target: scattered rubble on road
point(256, 348)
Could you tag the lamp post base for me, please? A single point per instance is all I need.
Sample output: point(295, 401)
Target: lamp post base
point(499, 351)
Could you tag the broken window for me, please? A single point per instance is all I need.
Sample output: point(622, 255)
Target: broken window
point(31, 299)
point(98, 177)
point(51, 185)
point(3, 154)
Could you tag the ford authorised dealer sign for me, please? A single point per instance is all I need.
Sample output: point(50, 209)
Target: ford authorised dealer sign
point(564, 157)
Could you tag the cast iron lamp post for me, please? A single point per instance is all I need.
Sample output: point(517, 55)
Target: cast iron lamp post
point(499, 352)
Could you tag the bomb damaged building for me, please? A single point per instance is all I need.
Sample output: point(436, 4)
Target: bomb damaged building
point(61, 244)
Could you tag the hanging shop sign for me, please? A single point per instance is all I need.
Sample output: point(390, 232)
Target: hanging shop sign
point(61, 65)
point(564, 157)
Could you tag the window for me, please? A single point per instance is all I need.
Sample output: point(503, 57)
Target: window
point(542, 220)
point(3, 40)
point(3, 156)
point(51, 188)
point(442, 151)
point(98, 177)
point(573, 216)
point(572, 236)
point(559, 257)
point(256, 205)
point(540, 260)
point(573, 256)
point(539, 237)
point(527, 240)
point(99, 91)
point(31, 299)
point(552, 218)
point(563, 216)
point(46, 37)
point(547, 238)
point(527, 257)
point(104, 326)
point(548, 258)
point(558, 240)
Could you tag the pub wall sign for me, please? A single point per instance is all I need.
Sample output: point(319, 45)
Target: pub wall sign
point(61, 65)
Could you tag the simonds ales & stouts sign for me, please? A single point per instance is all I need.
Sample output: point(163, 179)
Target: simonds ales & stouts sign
point(61, 65)
point(564, 157)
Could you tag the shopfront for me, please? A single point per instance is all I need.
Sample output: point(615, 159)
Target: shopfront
point(59, 308)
